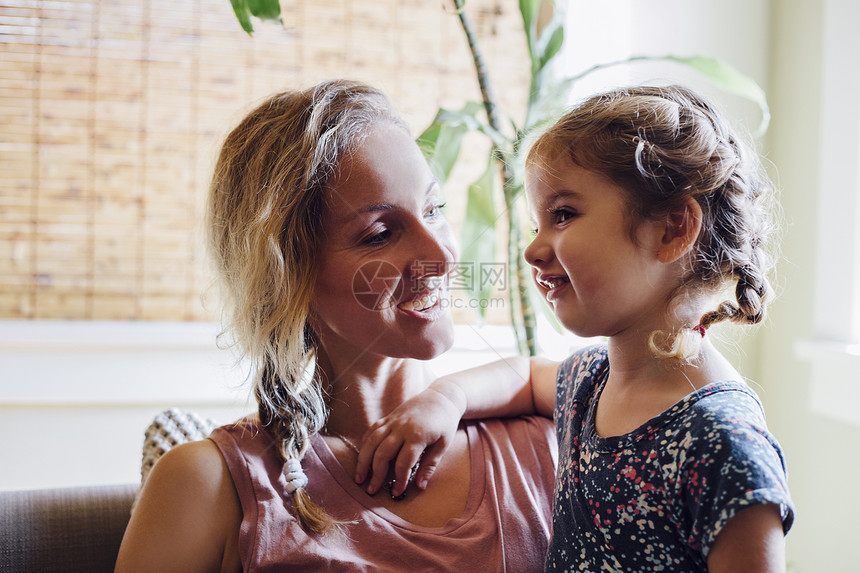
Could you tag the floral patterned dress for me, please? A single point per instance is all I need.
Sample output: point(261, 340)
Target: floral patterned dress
point(656, 498)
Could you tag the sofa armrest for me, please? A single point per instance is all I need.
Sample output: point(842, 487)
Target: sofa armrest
point(67, 529)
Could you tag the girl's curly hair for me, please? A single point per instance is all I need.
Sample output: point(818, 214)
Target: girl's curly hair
point(664, 145)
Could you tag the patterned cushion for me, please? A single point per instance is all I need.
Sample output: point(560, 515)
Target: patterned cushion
point(170, 428)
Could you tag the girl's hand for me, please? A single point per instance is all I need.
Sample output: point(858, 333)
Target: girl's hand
point(425, 423)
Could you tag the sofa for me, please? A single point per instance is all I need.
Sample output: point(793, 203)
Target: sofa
point(80, 528)
point(64, 530)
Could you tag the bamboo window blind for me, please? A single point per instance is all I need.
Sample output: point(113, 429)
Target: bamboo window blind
point(111, 113)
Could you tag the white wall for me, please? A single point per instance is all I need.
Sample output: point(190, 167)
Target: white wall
point(76, 397)
point(821, 449)
point(736, 31)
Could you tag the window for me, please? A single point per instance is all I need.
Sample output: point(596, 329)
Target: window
point(834, 350)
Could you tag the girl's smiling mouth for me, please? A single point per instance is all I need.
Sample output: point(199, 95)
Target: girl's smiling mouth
point(550, 282)
point(552, 286)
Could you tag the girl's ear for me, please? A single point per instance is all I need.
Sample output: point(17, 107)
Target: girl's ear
point(680, 231)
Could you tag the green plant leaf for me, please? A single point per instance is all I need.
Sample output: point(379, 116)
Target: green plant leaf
point(469, 117)
point(543, 46)
point(265, 9)
point(543, 88)
point(441, 141)
point(730, 79)
point(262, 9)
point(478, 234)
point(551, 39)
point(529, 10)
point(243, 15)
point(547, 104)
point(719, 72)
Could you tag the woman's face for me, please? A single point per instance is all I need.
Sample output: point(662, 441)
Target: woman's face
point(381, 284)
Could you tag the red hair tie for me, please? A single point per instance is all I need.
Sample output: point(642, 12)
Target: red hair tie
point(700, 328)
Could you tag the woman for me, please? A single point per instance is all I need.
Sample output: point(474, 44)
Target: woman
point(325, 222)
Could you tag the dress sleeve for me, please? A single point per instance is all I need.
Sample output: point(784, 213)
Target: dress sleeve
point(578, 368)
point(730, 462)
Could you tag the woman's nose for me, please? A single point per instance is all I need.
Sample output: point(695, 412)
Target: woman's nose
point(435, 252)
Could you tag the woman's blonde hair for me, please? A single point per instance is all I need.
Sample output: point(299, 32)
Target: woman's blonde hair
point(663, 145)
point(265, 215)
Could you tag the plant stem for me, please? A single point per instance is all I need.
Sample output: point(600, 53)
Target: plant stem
point(522, 321)
point(480, 67)
point(519, 285)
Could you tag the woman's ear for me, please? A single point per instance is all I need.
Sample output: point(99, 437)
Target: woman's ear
point(680, 231)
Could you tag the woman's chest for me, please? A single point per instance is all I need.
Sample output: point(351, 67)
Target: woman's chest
point(447, 493)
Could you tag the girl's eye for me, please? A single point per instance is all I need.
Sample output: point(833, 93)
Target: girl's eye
point(562, 214)
point(435, 210)
point(533, 231)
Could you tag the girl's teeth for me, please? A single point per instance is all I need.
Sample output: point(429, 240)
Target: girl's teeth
point(553, 282)
point(422, 303)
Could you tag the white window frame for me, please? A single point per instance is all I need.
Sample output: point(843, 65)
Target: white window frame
point(834, 350)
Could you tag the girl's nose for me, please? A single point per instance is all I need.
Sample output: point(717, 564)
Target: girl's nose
point(537, 252)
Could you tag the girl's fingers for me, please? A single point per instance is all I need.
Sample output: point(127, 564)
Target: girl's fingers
point(406, 460)
point(429, 463)
point(368, 446)
point(385, 452)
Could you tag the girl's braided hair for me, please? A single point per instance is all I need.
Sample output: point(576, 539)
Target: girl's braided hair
point(264, 226)
point(663, 145)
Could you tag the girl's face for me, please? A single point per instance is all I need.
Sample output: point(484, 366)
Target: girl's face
point(381, 285)
point(595, 277)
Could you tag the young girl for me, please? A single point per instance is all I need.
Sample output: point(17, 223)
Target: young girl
point(645, 205)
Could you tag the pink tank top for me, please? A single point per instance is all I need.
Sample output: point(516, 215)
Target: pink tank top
point(505, 526)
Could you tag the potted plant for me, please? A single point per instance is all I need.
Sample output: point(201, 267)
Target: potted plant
point(547, 98)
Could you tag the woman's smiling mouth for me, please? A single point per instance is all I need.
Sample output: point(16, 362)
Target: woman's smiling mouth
point(421, 303)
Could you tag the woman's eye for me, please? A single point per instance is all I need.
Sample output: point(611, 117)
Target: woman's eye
point(377, 238)
point(435, 210)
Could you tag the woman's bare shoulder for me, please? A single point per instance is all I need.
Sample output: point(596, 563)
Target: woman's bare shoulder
point(193, 461)
point(188, 515)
